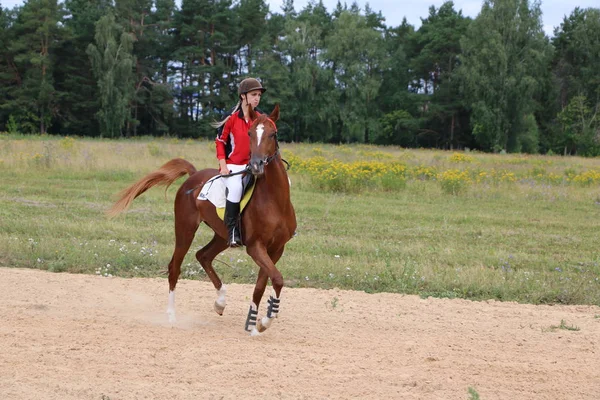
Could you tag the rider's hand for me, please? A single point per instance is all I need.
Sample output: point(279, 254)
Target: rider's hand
point(223, 170)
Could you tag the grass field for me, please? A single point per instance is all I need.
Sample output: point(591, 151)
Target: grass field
point(433, 223)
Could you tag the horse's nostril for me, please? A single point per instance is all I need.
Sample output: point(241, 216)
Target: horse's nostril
point(257, 165)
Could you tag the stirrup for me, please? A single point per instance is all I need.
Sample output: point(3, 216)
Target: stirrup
point(233, 240)
point(232, 221)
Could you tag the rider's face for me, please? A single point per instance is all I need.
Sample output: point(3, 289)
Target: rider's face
point(252, 98)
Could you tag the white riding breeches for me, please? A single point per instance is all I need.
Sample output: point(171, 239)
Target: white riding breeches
point(234, 183)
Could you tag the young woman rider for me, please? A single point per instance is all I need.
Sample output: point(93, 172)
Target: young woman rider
point(233, 152)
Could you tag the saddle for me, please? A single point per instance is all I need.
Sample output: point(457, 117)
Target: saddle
point(215, 191)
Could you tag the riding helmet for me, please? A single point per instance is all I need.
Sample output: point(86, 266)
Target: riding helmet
point(248, 85)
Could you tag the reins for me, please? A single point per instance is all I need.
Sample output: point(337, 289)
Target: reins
point(246, 169)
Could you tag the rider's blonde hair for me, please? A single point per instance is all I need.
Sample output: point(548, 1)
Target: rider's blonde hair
point(218, 124)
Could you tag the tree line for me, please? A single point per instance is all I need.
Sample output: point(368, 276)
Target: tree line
point(127, 68)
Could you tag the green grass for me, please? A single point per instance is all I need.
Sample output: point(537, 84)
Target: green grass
point(473, 395)
point(563, 325)
point(525, 242)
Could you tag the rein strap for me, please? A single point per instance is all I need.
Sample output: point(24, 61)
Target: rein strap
point(247, 169)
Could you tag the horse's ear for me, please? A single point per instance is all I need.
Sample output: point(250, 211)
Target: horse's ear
point(251, 113)
point(275, 113)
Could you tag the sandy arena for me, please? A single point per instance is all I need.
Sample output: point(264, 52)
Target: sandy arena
point(65, 336)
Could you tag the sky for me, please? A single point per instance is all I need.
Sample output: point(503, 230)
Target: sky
point(394, 10)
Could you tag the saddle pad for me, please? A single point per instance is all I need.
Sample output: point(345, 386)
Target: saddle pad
point(214, 191)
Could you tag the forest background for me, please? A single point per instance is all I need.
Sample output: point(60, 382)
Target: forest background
point(130, 68)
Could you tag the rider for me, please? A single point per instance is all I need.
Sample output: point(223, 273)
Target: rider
point(233, 152)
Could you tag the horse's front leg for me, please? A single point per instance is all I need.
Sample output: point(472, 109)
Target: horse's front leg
point(259, 290)
point(266, 261)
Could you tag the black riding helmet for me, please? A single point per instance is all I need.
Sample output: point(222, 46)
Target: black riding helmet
point(248, 85)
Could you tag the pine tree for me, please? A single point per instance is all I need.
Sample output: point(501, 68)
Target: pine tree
point(112, 63)
point(75, 78)
point(37, 33)
point(438, 40)
point(10, 76)
point(505, 52)
point(357, 54)
point(207, 60)
point(575, 67)
point(397, 102)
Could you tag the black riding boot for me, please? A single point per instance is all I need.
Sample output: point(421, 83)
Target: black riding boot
point(232, 214)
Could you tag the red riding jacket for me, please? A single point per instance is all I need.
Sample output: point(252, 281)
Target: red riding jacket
point(233, 141)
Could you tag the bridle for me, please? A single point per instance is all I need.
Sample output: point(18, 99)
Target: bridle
point(273, 156)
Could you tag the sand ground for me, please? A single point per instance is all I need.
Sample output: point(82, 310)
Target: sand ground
point(65, 336)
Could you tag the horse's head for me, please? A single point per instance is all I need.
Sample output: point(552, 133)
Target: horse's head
point(263, 140)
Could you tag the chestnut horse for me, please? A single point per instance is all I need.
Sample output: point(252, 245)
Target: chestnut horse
point(268, 220)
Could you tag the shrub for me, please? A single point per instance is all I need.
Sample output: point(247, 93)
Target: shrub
point(454, 181)
point(587, 178)
point(461, 158)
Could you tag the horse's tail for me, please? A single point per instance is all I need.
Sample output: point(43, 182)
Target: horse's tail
point(165, 175)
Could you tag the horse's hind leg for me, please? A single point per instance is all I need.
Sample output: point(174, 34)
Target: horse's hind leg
point(205, 256)
point(184, 235)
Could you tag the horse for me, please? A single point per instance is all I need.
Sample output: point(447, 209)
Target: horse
point(268, 220)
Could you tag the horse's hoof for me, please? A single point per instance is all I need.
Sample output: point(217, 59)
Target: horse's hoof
point(254, 332)
point(260, 327)
point(263, 323)
point(219, 308)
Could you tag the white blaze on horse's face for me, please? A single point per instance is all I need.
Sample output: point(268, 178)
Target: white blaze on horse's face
point(263, 144)
point(260, 129)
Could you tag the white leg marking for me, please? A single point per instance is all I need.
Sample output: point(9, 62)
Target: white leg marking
point(254, 332)
point(171, 308)
point(260, 129)
point(221, 296)
point(266, 322)
point(221, 302)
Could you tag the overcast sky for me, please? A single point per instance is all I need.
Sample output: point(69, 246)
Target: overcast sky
point(394, 10)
